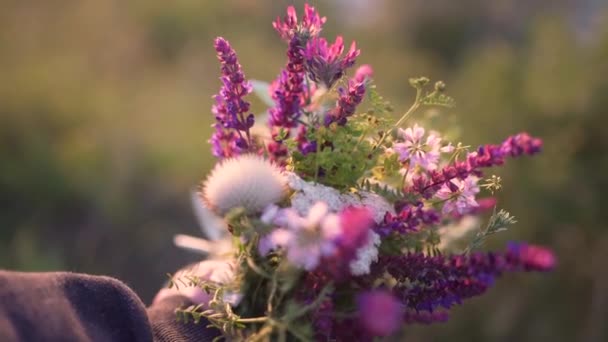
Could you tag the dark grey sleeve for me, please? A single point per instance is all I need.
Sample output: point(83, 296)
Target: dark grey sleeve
point(75, 307)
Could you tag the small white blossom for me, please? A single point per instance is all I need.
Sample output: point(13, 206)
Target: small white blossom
point(366, 255)
point(308, 193)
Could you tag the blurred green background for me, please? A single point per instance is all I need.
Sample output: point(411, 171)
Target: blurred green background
point(105, 114)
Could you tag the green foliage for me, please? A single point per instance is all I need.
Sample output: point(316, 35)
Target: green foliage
point(433, 98)
point(390, 194)
point(378, 105)
point(499, 222)
point(424, 241)
point(343, 154)
point(273, 286)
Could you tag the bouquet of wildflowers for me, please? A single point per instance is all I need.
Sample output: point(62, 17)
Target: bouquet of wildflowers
point(330, 221)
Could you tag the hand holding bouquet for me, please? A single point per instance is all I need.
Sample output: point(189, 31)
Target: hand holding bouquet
point(342, 223)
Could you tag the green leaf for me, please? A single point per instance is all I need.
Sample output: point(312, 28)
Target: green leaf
point(436, 98)
point(499, 222)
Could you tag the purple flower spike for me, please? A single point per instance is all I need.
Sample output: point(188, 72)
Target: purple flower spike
point(347, 102)
point(225, 143)
point(288, 94)
point(380, 313)
point(325, 62)
point(522, 143)
point(410, 219)
point(288, 90)
point(231, 135)
point(431, 282)
point(311, 24)
point(486, 156)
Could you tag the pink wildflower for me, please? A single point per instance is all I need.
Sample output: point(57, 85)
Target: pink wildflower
point(459, 195)
point(418, 151)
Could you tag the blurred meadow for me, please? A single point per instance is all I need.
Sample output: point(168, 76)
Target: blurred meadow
point(105, 116)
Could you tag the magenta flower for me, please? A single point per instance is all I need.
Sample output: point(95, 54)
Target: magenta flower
point(325, 62)
point(459, 195)
point(356, 224)
point(533, 257)
point(364, 73)
point(418, 151)
point(310, 26)
point(380, 313)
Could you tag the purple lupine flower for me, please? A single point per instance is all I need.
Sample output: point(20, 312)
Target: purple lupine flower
point(231, 135)
point(347, 103)
point(310, 26)
point(459, 195)
point(430, 282)
point(225, 143)
point(415, 150)
point(485, 156)
point(287, 91)
point(325, 63)
point(521, 143)
point(288, 94)
point(380, 313)
point(409, 219)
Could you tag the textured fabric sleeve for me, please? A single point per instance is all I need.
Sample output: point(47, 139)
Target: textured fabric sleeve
point(69, 307)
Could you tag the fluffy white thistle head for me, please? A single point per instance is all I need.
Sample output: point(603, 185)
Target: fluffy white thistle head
point(248, 181)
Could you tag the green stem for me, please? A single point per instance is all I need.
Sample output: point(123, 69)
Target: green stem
point(273, 291)
point(257, 269)
point(314, 304)
point(252, 320)
point(318, 149)
point(413, 108)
